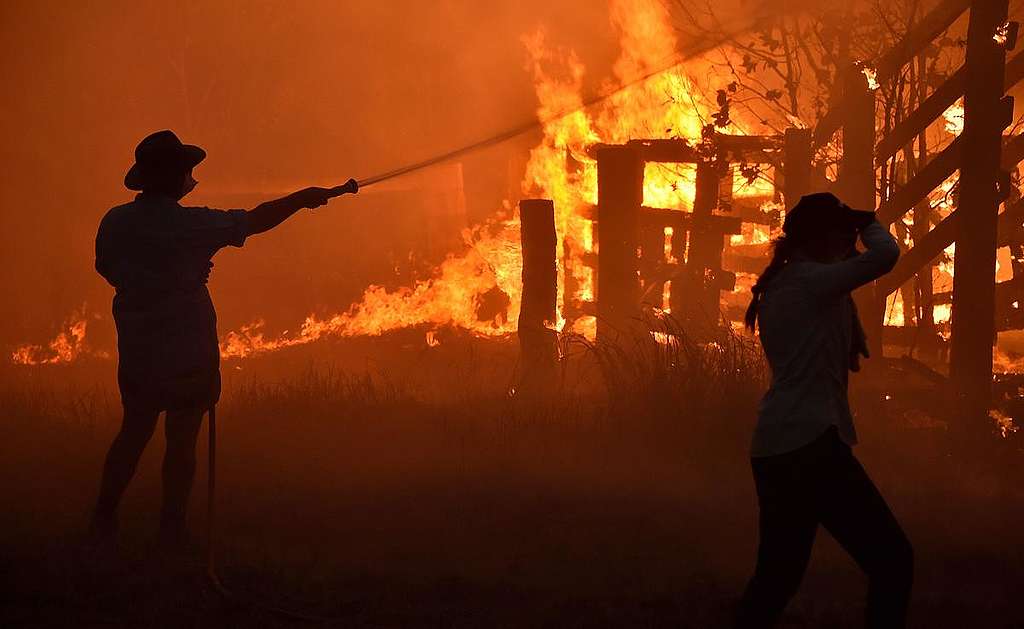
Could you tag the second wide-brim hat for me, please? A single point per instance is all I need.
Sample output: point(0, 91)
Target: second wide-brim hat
point(158, 154)
point(823, 211)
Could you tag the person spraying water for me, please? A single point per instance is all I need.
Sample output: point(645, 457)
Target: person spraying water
point(157, 254)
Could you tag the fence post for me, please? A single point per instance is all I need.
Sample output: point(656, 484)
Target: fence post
point(857, 185)
point(796, 165)
point(986, 114)
point(620, 175)
point(537, 342)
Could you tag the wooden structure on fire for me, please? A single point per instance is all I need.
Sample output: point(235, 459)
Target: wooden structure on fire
point(642, 250)
point(631, 262)
point(984, 158)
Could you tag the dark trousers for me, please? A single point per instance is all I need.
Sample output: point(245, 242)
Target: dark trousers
point(823, 483)
point(181, 429)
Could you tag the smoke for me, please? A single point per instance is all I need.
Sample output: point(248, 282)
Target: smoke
point(281, 95)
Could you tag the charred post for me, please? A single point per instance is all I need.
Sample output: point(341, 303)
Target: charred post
point(537, 342)
point(986, 114)
point(620, 175)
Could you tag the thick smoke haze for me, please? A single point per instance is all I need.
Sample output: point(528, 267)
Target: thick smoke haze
point(281, 95)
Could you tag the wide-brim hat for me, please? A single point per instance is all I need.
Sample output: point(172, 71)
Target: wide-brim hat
point(817, 213)
point(159, 154)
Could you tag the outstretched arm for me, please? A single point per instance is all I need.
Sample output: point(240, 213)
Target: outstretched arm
point(269, 215)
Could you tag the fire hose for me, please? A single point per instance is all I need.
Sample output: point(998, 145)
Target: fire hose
point(673, 61)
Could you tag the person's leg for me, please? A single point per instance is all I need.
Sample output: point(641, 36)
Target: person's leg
point(182, 430)
point(787, 524)
point(136, 429)
point(855, 513)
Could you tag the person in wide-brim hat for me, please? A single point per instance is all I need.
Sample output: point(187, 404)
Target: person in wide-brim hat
point(805, 471)
point(157, 254)
point(160, 155)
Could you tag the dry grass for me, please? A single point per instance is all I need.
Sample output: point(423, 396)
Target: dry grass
point(419, 492)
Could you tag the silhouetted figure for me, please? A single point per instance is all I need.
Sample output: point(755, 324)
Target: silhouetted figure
point(804, 469)
point(157, 255)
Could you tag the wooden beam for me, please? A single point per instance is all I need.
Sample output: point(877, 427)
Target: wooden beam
point(663, 271)
point(934, 106)
point(679, 219)
point(1013, 152)
point(937, 20)
point(920, 255)
point(670, 150)
point(674, 218)
point(1014, 71)
point(750, 149)
point(924, 33)
point(941, 236)
point(748, 209)
point(738, 262)
point(928, 178)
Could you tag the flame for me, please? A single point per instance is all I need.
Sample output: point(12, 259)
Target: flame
point(665, 105)
point(456, 296)
point(954, 117)
point(1004, 423)
point(1001, 36)
point(432, 340)
point(478, 288)
point(68, 345)
point(871, 75)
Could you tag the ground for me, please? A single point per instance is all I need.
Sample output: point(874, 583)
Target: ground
point(401, 486)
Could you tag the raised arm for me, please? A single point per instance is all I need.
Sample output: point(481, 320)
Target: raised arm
point(830, 280)
point(269, 215)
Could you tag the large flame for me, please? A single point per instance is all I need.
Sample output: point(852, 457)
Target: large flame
point(665, 105)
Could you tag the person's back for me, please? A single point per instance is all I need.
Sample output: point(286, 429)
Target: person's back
point(804, 469)
point(157, 256)
point(806, 338)
point(153, 248)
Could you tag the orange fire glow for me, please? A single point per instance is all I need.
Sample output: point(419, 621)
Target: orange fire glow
point(66, 346)
point(667, 104)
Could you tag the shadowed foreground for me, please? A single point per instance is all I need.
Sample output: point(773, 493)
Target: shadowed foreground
point(402, 500)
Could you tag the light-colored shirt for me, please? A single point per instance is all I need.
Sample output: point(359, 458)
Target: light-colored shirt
point(806, 320)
